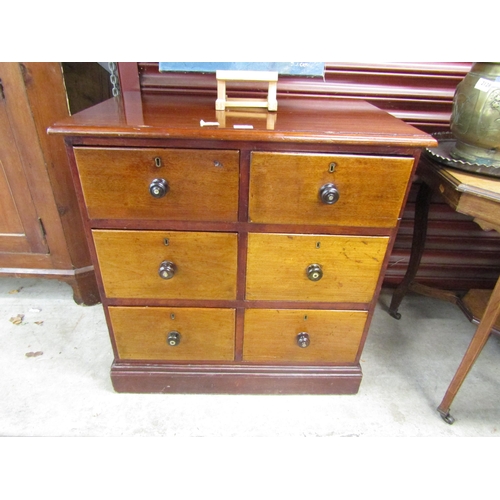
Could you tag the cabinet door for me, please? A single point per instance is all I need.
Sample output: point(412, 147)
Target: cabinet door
point(20, 227)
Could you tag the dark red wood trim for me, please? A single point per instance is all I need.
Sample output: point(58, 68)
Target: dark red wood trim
point(239, 334)
point(232, 304)
point(248, 227)
point(235, 379)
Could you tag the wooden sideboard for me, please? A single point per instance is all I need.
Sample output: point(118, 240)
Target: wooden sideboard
point(41, 230)
point(239, 260)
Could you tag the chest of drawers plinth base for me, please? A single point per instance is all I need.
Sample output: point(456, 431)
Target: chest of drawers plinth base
point(239, 261)
point(236, 379)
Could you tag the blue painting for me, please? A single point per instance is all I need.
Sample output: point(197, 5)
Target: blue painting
point(283, 68)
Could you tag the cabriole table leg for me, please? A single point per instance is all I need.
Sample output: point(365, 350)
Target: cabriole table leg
point(417, 248)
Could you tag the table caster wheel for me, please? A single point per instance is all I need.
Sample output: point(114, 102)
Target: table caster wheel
point(447, 417)
point(395, 314)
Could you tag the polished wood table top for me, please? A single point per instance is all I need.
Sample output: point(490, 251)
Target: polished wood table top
point(470, 194)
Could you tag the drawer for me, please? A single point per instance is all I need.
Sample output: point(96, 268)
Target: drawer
point(173, 333)
point(273, 335)
point(286, 188)
point(202, 184)
point(204, 264)
point(278, 267)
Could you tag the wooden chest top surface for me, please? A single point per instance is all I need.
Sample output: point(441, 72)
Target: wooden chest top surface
point(335, 121)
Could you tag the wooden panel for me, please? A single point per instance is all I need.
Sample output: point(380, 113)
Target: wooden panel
point(284, 189)
point(129, 262)
point(20, 230)
point(271, 335)
point(9, 218)
point(205, 334)
point(203, 184)
point(277, 263)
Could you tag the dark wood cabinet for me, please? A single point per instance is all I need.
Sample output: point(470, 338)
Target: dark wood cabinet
point(41, 232)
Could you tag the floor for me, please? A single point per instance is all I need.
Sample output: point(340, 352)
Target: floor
point(55, 360)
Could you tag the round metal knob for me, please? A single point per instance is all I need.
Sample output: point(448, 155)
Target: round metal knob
point(329, 194)
point(173, 338)
point(167, 270)
point(158, 188)
point(303, 339)
point(314, 272)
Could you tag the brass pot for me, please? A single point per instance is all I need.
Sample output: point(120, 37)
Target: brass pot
point(475, 119)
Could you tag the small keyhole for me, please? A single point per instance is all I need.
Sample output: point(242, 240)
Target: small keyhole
point(158, 161)
point(332, 166)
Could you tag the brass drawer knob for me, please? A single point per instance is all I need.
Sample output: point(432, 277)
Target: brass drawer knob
point(303, 339)
point(158, 188)
point(173, 338)
point(329, 194)
point(314, 272)
point(167, 270)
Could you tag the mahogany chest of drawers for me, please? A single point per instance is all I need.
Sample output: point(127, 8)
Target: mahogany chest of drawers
point(239, 260)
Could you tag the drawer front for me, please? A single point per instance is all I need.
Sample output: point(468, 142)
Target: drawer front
point(286, 188)
point(202, 265)
point(278, 267)
point(173, 333)
point(202, 184)
point(279, 334)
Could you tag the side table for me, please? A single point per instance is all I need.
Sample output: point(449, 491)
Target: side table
point(469, 194)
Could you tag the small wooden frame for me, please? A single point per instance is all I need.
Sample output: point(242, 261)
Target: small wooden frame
point(224, 102)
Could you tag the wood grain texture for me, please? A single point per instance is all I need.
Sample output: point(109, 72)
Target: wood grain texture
point(276, 267)
point(271, 335)
point(302, 121)
point(141, 333)
point(284, 189)
point(129, 263)
point(203, 184)
point(20, 167)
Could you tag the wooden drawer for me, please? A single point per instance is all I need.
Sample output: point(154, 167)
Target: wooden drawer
point(130, 261)
point(271, 335)
point(285, 189)
point(202, 184)
point(277, 267)
point(143, 333)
